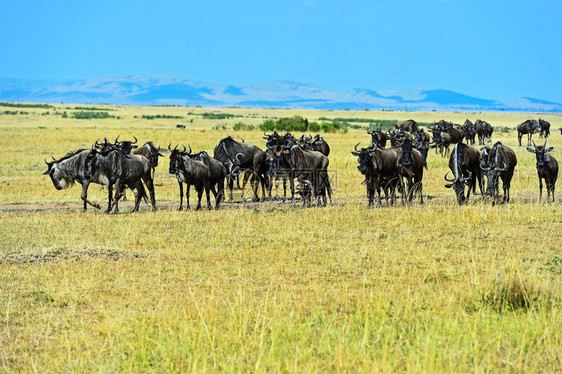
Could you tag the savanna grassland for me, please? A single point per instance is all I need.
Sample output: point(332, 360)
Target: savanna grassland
point(271, 286)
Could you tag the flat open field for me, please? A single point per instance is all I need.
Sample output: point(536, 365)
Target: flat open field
point(271, 286)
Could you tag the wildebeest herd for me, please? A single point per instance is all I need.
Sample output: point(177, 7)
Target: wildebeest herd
point(398, 168)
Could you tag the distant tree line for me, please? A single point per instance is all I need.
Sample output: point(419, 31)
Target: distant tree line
point(20, 105)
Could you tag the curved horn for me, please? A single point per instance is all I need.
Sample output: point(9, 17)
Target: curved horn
point(169, 149)
point(534, 145)
point(46, 162)
point(242, 140)
point(189, 145)
point(136, 140)
point(466, 178)
point(448, 180)
point(356, 150)
point(504, 167)
point(116, 139)
point(483, 167)
point(238, 156)
point(184, 149)
point(97, 142)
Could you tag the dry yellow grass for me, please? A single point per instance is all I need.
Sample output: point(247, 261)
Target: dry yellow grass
point(271, 287)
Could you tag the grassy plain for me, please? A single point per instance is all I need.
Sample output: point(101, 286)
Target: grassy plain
point(271, 287)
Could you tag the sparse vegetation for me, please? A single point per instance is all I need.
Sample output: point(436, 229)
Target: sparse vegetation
point(89, 115)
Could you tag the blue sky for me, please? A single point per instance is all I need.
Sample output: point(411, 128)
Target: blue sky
point(490, 49)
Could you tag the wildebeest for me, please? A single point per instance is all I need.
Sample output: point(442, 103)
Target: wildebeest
point(149, 151)
point(318, 143)
point(500, 164)
point(115, 168)
point(192, 172)
point(279, 169)
point(528, 127)
point(545, 128)
point(408, 125)
point(236, 156)
point(484, 131)
point(310, 167)
point(379, 137)
point(411, 164)
point(484, 153)
point(380, 168)
point(464, 162)
point(69, 169)
point(469, 132)
point(547, 168)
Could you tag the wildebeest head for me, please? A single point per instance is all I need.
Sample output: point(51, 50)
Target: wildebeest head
point(126, 145)
point(364, 157)
point(405, 159)
point(541, 154)
point(61, 178)
point(238, 159)
point(459, 181)
point(105, 146)
point(153, 153)
point(492, 169)
point(175, 155)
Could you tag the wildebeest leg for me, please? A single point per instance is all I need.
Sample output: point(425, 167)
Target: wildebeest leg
point(181, 195)
point(187, 188)
point(109, 195)
point(246, 176)
point(138, 191)
point(209, 206)
point(84, 196)
point(540, 188)
point(150, 185)
point(230, 185)
point(118, 194)
point(199, 190)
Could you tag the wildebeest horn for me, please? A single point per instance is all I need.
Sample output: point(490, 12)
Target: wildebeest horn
point(184, 149)
point(136, 140)
point(448, 180)
point(504, 167)
point(46, 162)
point(242, 140)
point(237, 156)
point(116, 139)
point(189, 149)
point(483, 167)
point(466, 178)
point(97, 142)
point(356, 150)
point(169, 149)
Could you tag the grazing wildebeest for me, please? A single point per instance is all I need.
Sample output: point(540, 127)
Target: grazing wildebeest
point(528, 127)
point(545, 128)
point(408, 125)
point(379, 137)
point(69, 169)
point(236, 156)
point(469, 132)
point(194, 173)
point(411, 164)
point(547, 168)
point(115, 168)
point(465, 165)
point(310, 167)
point(500, 164)
point(379, 166)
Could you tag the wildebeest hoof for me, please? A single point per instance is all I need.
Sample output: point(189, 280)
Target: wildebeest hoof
point(97, 206)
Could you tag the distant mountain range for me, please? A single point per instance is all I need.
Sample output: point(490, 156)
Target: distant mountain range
point(272, 94)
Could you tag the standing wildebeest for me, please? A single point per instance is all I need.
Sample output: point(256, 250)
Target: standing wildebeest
point(545, 128)
point(311, 168)
point(378, 137)
point(408, 125)
point(318, 144)
point(547, 168)
point(528, 127)
point(411, 164)
point(379, 166)
point(149, 151)
point(500, 164)
point(236, 156)
point(279, 168)
point(192, 172)
point(115, 168)
point(469, 132)
point(69, 169)
point(465, 165)
point(484, 131)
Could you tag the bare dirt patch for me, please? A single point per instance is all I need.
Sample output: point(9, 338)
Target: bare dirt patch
point(64, 254)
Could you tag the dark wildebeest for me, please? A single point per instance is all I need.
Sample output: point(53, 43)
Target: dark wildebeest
point(547, 168)
point(69, 169)
point(500, 164)
point(545, 128)
point(528, 127)
point(397, 137)
point(318, 144)
point(484, 153)
point(279, 168)
point(379, 166)
point(149, 151)
point(469, 132)
point(465, 165)
point(411, 164)
point(311, 168)
point(194, 173)
point(115, 168)
point(236, 156)
point(378, 137)
point(408, 125)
